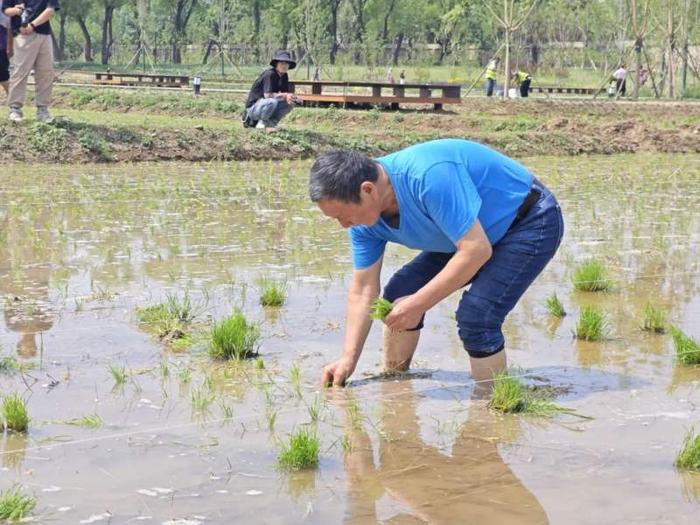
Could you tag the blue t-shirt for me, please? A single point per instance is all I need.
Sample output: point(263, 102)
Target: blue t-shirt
point(442, 187)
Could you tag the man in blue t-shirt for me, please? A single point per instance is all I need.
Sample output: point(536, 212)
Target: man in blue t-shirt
point(33, 51)
point(478, 218)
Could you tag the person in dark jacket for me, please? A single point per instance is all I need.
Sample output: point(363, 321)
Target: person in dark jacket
point(270, 100)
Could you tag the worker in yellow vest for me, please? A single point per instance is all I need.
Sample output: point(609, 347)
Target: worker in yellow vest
point(522, 80)
point(491, 72)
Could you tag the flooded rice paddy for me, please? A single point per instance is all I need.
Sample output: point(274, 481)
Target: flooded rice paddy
point(185, 439)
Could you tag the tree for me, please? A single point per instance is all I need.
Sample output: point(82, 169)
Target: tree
point(109, 7)
point(79, 10)
point(182, 11)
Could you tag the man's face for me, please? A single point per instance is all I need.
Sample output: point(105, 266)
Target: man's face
point(366, 212)
point(282, 67)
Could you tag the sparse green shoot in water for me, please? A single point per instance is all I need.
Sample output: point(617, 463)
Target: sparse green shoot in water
point(689, 455)
point(14, 505)
point(301, 452)
point(173, 314)
point(118, 374)
point(14, 413)
point(380, 309)
point(233, 338)
point(9, 364)
point(592, 276)
point(554, 306)
point(592, 324)
point(512, 397)
point(93, 421)
point(259, 363)
point(654, 319)
point(687, 348)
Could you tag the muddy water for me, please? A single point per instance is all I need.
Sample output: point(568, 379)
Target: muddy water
point(82, 247)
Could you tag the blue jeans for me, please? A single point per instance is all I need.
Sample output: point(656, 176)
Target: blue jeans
point(269, 111)
point(517, 259)
point(490, 85)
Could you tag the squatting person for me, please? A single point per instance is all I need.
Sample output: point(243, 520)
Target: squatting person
point(478, 218)
point(269, 100)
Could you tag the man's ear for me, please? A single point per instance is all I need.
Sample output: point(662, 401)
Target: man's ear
point(367, 187)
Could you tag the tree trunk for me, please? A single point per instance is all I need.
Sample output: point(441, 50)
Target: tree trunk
point(333, 30)
point(107, 38)
point(398, 41)
point(87, 47)
point(506, 80)
point(256, 29)
point(671, 51)
point(359, 8)
point(181, 17)
point(62, 36)
point(385, 30)
point(638, 54)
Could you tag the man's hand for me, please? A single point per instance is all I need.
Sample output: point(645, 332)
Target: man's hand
point(405, 314)
point(337, 372)
point(26, 30)
point(292, 99)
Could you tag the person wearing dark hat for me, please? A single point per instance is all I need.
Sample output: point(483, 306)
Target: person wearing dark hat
point(269, 99)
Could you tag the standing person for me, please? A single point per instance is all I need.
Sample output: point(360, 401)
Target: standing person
point(402, 77)
point(33, 51)
point(390, 76)
point(477, 216)
point(5, 51)
point(269, 99)
point(620, 76)
point(491, 75)
point(523, 80)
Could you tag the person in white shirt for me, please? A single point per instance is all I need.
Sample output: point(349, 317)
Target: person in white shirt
point(620, 75)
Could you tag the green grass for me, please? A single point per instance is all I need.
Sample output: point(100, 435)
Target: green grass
point(173, 314)
point(14, 505)
point(592, 276)
point(118, 373)
point(9, 364)
point(202, 397)
point(14, 413)
point(380, 308)
point(301, 452)
point(259, 363)
point(554, 306)
point(233, 338)
point(272, 293)
point(510, 396)
point(688, 457)
point(687, 348)
point(654, 319)
point(592, 324)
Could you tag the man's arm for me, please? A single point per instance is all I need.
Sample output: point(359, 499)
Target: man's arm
point(15, 10)
point(364, 288)
point(44, 17)
point(473, 250)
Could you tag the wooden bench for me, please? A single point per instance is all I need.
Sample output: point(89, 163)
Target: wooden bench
point(568, 90)
point(141, 79)
point(345, 93)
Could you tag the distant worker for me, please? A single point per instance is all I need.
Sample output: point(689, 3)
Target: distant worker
point(269, 99)
point(643, 76)
point(522, 80)
point(402, 77)
point(390, 76)
point(620, 76)
point(491, 75)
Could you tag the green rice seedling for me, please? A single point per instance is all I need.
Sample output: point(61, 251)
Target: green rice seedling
point(509, 394)
point(14, 413)
point(380, 308)
point(301, 452)
point(272, 294)
point(259, 363)
point(687, 348)
point(233, 338)
point(93, 421)
point(654, 319)
point(346, 444)
point(554, 306)
point(352, 410)
point(592, 324)
point(315, 410)
point(271, 420)
point(226, 410)
point(119, 374)
point(164, 370)
point(185, 375)
point(173, 314)
point(202, 397)
point(592, 276)
point(9, 364)
point(14, 505)
point(688, 457)
point(295, 377)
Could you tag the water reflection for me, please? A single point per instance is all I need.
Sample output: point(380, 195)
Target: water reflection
point(471, 484)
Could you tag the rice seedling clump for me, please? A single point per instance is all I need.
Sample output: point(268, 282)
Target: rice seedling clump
point(301, 452)
point(173, 315)
point(689, 455)
point(592, 324)
point(380, 309)
point(510, 396)
point(687, 348)
point(654, 319)
point(591, 276)
point(14, 413)
point(233, 337)
point(14, 505)
point(554, 306)
point(273, 294)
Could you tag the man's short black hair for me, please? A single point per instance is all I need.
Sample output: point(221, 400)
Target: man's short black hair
point(339, 174)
